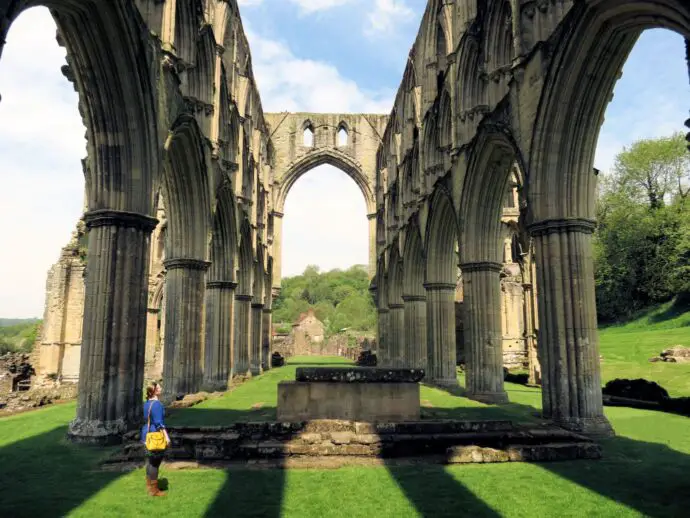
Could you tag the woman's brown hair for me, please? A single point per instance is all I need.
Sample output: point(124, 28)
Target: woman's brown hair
point(151, 390)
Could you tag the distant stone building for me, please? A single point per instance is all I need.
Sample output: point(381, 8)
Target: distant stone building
point(307, 331)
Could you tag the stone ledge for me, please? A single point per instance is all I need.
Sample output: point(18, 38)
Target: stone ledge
point(358, 375)
point(450, 441)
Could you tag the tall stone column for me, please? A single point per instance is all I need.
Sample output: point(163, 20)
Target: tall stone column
point(483, 332)
point(243, 321)
point(220, 326)
point(267, 338)
point(185, 285)
point(256, 338)
point(372, 244)
point(277, 248)
point(111, 372)
point(415, 332)
point(382, 353)
point(440, 321)
point(568, 338)
point(396, 335)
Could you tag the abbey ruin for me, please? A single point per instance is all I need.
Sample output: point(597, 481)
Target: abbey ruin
point(479, 186)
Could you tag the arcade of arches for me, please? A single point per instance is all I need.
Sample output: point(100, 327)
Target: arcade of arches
point(479, 187)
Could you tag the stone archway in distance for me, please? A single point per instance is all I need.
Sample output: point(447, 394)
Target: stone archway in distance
point(346, 141)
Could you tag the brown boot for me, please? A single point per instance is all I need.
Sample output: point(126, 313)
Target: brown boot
point(153, 488)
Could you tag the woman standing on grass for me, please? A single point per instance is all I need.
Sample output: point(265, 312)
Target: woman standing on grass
point(153, 422)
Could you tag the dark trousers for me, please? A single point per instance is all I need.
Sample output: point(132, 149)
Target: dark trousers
point(153, 462)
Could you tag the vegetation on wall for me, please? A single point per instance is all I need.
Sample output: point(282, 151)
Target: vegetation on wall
point(340, 299)
point(642, 245)
point(18, 335)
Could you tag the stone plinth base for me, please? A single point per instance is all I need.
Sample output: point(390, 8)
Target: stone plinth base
point(371, 402)
point(339, 443)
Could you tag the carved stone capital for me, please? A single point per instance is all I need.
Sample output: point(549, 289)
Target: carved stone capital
point(186, 264)
point(257, 305)
point(557, 226)
point(119, 218)
point(244, 298)
point(414, 298)
point(439, 286)
point(219, 285)
point(481, 266)
point(396, 306)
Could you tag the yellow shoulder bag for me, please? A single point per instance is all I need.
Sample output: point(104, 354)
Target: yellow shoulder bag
point(155, 441)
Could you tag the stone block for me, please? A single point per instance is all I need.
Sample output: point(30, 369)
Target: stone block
point(374, 402)
point(358, 375)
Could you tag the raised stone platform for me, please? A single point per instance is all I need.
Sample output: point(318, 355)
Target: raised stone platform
point(358, 375)
point(448, 442)
point(374, 402)
point(351, 393)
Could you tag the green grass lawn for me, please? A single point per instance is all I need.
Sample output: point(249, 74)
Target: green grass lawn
point(626, 349)
point(644, 472)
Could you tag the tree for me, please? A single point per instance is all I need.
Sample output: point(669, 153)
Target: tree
point(653, 170)
point(642, 246)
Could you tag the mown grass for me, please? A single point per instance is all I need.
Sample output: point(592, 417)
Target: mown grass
point(644, 472)
point(626, 349)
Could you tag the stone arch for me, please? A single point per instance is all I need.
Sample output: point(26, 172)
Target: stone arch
point(223, 130)
point(489, 170)
point(245, 271)
point(224, 241)
point(121, 123)
point(441, 239)
point(574, 97)
point(234, 125)
point(200, 78)
point(499, 35)
point(413, 261)
point(471, 90)
point(327, 156)
point(433, 157)
point(395, 275)
point(189, 15)
point(445, 122)
point(185, 183)
point(110, 58)
point(259, 276)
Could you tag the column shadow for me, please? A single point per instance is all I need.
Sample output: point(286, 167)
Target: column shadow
point(46, 475)
point(648, 477)
point(434, 492)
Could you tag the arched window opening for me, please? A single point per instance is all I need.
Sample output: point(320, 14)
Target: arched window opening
point(308, 138)
point(342, 136)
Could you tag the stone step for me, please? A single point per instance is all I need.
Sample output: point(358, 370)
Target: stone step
point(274, 429)
point(536, 444)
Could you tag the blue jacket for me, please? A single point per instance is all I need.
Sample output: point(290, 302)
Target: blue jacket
point(157, 415)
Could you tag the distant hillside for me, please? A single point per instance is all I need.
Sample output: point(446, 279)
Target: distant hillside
point(6, 322)
point(18, 335)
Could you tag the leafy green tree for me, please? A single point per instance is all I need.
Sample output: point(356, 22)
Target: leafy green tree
point(642, 246)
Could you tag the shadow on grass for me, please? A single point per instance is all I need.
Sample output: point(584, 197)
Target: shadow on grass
point(435, 492)
point(46, 475)
point(249, 492)
point(648, 477)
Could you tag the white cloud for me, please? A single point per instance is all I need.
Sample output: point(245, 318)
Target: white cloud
point(386, 16)
point(41, 145)
point(289, 83)
point(305, 6)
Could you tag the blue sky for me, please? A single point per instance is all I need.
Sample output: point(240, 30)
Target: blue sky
point(308, 55)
